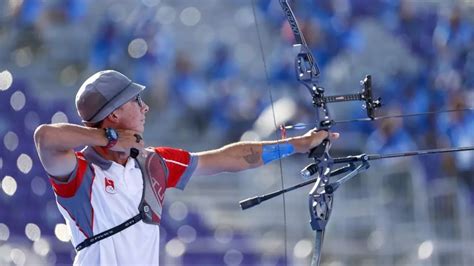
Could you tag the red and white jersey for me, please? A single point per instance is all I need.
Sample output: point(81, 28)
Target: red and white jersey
point(101, 194)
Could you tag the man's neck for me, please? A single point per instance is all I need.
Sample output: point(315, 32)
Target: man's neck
point(118, 157)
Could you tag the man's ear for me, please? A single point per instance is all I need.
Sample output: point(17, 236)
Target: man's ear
point(113, 117)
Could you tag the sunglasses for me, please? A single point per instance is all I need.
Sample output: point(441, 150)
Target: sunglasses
point(139, 100)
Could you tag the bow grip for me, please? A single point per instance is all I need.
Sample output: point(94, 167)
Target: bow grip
point(319, 150)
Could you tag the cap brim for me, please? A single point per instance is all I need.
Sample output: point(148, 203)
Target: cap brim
point(120, 99)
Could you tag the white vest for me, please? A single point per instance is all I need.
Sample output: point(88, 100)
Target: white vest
point(102, 194)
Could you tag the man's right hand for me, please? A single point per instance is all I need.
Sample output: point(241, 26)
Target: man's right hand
point(128, 139)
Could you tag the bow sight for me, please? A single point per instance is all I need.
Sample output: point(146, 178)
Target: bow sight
point(320, 101)
point(365, 95)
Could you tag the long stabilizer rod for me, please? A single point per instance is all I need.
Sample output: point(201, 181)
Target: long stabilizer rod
point(300, 126)
point(371, 157)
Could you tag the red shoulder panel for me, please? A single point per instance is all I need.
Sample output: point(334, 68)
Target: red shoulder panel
point(176, 160)
point(67, 190)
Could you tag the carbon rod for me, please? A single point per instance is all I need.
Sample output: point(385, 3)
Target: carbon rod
point(403, 115)
point(371, 157)
point(415, 153)
point(304, 126)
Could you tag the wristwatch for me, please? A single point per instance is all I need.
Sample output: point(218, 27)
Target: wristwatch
point(112, 135)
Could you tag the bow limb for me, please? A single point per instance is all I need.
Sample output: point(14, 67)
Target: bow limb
point(300, 41)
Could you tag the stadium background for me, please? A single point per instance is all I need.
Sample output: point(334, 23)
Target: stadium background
point(206, 82)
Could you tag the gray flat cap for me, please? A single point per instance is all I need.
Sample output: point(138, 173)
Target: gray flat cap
point(104, 92)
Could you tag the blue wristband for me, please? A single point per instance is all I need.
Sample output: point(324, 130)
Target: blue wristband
point(271, 152)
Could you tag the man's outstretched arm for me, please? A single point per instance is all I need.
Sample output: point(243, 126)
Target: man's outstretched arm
point(241, 156)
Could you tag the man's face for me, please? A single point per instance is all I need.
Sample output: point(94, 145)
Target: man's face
point(132, 114)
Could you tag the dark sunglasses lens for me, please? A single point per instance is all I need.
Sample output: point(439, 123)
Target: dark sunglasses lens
point(139, 100)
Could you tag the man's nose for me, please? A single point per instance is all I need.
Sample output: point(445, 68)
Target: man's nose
point(145, 108)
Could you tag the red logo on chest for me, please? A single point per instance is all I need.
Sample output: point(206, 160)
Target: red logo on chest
point(109, 185)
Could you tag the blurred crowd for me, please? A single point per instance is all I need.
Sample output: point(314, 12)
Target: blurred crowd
point(211, 94)
point(221, 94)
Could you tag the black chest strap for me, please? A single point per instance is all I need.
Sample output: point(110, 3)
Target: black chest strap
point(112, 231)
